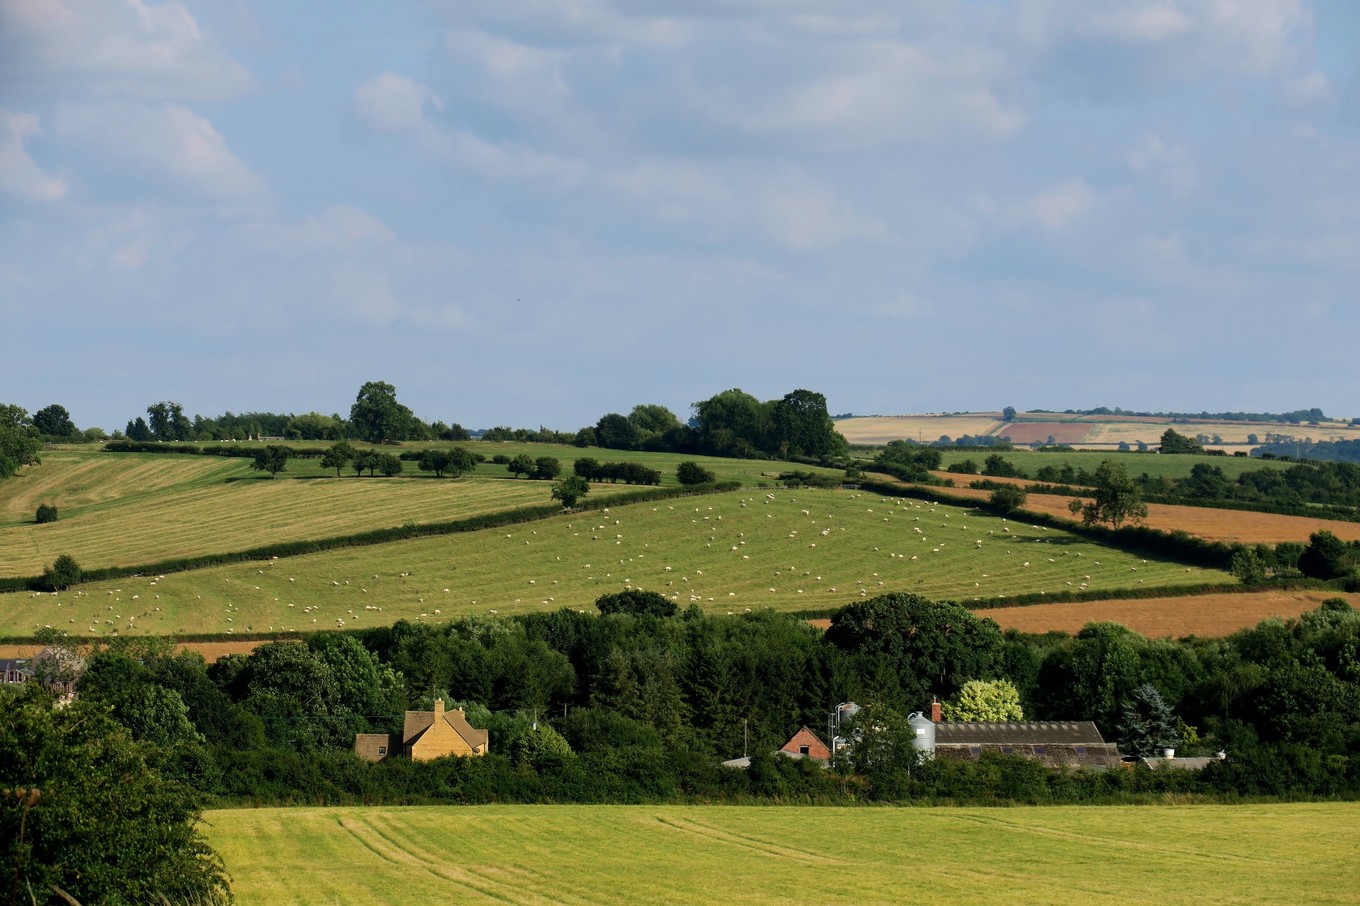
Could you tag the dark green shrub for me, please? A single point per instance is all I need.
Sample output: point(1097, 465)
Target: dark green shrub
point(46, 513)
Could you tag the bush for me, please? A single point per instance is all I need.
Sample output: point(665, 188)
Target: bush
point(691, 473)
point(46, 513)
point(63, 573)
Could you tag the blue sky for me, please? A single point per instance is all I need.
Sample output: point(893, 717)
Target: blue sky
point(538, 212)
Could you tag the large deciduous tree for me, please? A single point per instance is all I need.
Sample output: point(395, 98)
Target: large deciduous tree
point(272, 459)
point(803, 427)
point(19, 440)
point(103, 825)
point(376, 416)
point(989, 700)
point(168, 421)
point(54, 421)
point(1117, 498)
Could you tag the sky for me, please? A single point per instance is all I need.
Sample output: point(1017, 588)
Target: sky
point(538, 212)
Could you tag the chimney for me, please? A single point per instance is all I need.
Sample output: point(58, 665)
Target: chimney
point(934, 709)
point(438, 710)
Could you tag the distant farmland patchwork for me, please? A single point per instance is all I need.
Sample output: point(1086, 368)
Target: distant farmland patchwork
point(1093, 431)
point(675, 854)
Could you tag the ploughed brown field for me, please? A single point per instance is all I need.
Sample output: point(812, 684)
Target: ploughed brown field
point(1201, 615)
point(1208, 616)
point(1204, 522)
point(211, 651)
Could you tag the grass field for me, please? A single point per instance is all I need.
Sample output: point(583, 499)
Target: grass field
point(675, 854)
point(1172, 465)
point(787, 550)
point(130, 509)
point(196, 517)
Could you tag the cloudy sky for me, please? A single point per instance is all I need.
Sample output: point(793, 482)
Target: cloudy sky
point(536, 212)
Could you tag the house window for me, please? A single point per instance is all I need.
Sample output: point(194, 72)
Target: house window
point(382, 750)
point(802, 750)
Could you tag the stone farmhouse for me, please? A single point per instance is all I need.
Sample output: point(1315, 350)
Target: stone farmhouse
point(425, 735)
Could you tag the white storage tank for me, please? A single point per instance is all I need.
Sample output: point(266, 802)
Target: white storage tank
point(924, 732)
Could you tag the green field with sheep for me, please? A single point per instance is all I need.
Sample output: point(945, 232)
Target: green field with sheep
point(675, 854)
point(789, 550)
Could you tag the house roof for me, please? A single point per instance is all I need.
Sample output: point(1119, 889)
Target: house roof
point(417, 722)
point(1017, 732)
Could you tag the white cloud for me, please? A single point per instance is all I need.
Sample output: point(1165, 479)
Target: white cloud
point(126, 48)
point(892, 91)
point(166, 143)
point(1168, 161)
point(804, 215)
point(1053, 208)
point(395, 103)
point(20, 175)
point(337, 228)
point(1151, 22)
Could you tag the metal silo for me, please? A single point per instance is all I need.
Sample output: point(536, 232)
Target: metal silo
point(924, 733)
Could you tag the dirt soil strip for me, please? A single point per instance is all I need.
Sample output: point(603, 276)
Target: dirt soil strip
point(1207, 616)
point(1204, 522)
point(1202, 615)
point(211, 651)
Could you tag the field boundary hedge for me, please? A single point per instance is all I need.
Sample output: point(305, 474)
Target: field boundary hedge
point(283, 549)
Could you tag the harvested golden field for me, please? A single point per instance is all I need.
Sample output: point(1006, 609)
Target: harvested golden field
point(1204, 522)
point(879, 429)
point(1201, 615)
point(1070, 433)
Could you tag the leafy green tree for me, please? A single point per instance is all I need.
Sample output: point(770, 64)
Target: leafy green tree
point(389, 464)
point(569, 490)
point(272, 459)
point(314, 426)
point(19, 440)
point(377, 417)
point(690, 473)
point(1326, 556)
point(104, 826)
point(523, 464)
point(615, 432)
point(447, 462)
point(137, 430)
point(337, 457)
point(1008, 498)
point(1247, 566)
point(999, 466)
point(1117, 498)
point(54, 421)
point(637, 602)
point(1175, 442)
point(587, 468)
point(733, 423)
point(1008, 414)
point(803, 427)
point(989, 700)
point(62, 574)
point(921, 646)
point(540, 746)
point(882, 743)
point(546, 468)
point(1148, 724)
point(46, 513)
point(168, 422)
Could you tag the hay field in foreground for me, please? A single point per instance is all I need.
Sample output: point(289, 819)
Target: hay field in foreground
point(792, 550)
point(1207, 616)
point(695, 854)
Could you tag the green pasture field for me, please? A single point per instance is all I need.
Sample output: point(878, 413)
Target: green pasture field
point(131, 509)
point(748, 471)
point(1172, 465)
point(697, 854)
point(788, 550)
